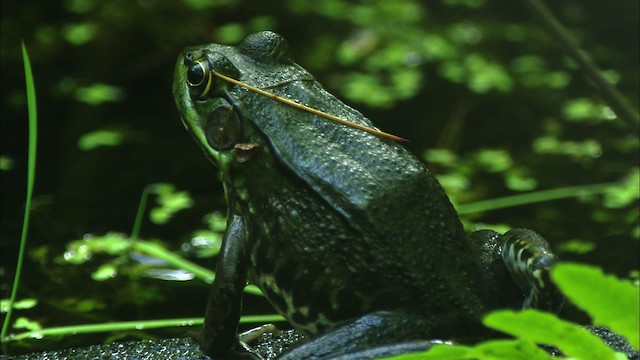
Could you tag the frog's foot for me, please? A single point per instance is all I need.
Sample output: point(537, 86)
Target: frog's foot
point(529, 259)
point(371, 336)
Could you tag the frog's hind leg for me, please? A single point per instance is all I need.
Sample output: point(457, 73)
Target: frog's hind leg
point(529, 259)
point(371, 336)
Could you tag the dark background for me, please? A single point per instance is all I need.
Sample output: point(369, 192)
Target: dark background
point(479, 79)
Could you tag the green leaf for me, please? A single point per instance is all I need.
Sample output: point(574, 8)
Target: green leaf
point(230, 33)
point(494, 160)
point(582, 109)
point(80, 34)
point(95, 139)
point(610, 301)
point(484, 75)
point(205, 4)
point(625, 194)
point(439, 352)
point(544, 328)
point(26, 323)
point(454, 183)
point(27, 303)
point(170, 201)
point(80, 6)
point(517, 179)
point(6, 163)
point(437, 47)
point(104, 272)
point(509, 350)
point(444, 157)
point(98, 93)
point(83, 305)
point(495, 349)
point(576, 246)
point(80, 251)
point(368, 89)
point(585, 149)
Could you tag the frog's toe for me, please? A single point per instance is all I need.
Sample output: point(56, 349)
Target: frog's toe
point(251, 335)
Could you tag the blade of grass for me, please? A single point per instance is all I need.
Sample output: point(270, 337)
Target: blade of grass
point(158, 251)
point(534, 197)
point(31, 171)
point(137, 223)
point(133, 325)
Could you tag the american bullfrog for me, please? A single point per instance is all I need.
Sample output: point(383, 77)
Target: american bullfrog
point(347, 234)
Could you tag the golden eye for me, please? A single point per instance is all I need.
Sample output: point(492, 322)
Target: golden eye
point(199, 77)
point(196, 74)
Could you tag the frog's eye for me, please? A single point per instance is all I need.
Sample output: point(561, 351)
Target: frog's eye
point(223, 128)
point(199, 77)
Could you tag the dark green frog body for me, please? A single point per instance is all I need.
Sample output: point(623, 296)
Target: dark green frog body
point(340, 228)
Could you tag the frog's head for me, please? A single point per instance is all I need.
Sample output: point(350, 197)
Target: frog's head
point(246, 130)
point(213, 110)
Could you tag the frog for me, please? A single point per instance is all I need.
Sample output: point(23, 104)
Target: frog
point(347, 233)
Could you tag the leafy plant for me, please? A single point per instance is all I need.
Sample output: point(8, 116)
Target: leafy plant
point(611, 302)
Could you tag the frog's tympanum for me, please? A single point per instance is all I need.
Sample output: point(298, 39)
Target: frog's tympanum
point(346, 233)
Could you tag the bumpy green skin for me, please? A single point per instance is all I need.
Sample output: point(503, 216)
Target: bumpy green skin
point(345, 232)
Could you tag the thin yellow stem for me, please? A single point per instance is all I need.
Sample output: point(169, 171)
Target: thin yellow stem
point(308, 109)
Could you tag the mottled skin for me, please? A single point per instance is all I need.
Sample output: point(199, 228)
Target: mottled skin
point(347, 234)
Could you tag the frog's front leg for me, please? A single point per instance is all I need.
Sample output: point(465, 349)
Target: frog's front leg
point(219, 339)
point(375, 335)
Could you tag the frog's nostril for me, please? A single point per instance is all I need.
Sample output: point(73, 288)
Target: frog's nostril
point(188, 57)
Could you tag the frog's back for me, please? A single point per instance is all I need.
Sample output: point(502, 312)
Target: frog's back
point(394, 212)
point(398, 209)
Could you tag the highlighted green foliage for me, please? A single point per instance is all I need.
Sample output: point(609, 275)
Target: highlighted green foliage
point(99, 138)
point(496, 349)
point(6, 163)
point(98, 93)
point(27, 303)
point(539, 327)
point(610, 301)
point(170, 201)
point(81, 33)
